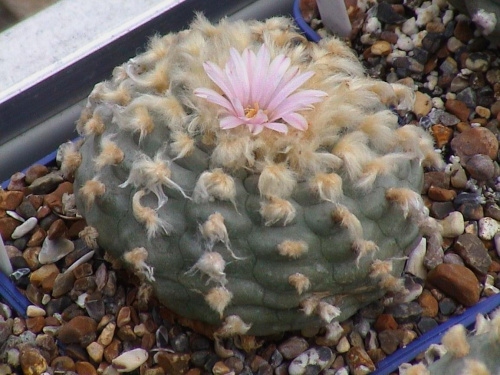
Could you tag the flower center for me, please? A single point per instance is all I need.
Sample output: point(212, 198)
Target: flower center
point(251, 112)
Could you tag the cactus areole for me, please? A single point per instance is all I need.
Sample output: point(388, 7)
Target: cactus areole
point(257, 181)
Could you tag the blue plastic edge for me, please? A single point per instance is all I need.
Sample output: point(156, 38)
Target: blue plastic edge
point(306, 29)
point(13, 297)
point(44, 161)
point(406, 354)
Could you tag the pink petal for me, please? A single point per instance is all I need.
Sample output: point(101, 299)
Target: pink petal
point(277, 126)
point(259, 83)
point(259, 118)
point(288, 88)
point(296, 120)
point(255, 128)
point(213, 97)
point(299, 101)
point(279, 66)
point(230, 122)
point(237, 73)
point(219, 78)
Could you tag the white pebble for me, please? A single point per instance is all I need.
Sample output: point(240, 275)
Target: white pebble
point(418, 37)
point(426, 15)
point(415, 263)
point(440, 3)
point(15, 215)
point(131, 360)
point(450, 95)
point(432, 82)
point(80, 301)
point(24, 228)
point(404, 43)
point(372, 25)
point(342, 371)
point(453, 225)
point(447, 16)
point(437, 103)
point(488, 227)
point(409, 27)
point(82, 260)
point(53, 250)
point(343, 346)
point(33, 311)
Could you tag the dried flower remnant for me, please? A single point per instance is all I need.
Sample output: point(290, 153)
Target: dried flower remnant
point(259, 92)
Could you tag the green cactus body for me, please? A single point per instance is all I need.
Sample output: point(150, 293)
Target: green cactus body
point(253, 232)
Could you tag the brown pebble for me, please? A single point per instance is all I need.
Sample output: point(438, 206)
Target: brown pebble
point(107, 334)
point(75, 228)
point(85, 368)
point(37, 237)
point(472, 250)
point(17, 182)
point(458, 108)
point(34, 172)
point(475, 141)
point(35, 324)
point(463, 31)
point(173, 363)
point(7, 227)
point(292, 347)
point(480, 167)
point(79, 330)
point(30, 255)
point(441, 195)
point(123, 316)
point(456, 281)
point(44, 277)
point(32, 361)
point(471, 211)
point(63, 363)
point(436, 178)
point(83, 270)
point(357, 358)
point(381, 48)
point(54, 199)
point(442, 134)
point(57, 229)
point(385, 322)
point(95, 351)
point(429, 304)
point(63, 284)
point(112, 350)
point(9, 200)
point(220, 368)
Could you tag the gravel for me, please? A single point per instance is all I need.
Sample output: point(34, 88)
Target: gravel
point(90, 316)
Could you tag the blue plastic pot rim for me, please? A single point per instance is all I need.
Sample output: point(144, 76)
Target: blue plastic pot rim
point(303, 25)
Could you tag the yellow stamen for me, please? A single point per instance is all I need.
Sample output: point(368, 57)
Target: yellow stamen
point(251, 112)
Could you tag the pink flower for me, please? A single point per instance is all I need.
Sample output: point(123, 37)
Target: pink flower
point(260, 93)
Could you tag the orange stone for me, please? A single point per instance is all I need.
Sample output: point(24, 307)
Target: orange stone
point(442, 134)
point(438, 194)
point(385, 322)
point(429, 304)
point(44, 277)
point(9, 200)
point(456, 281)
point(85, 368)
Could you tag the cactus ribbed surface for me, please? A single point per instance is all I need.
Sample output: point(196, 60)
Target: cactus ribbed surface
point(254, 228)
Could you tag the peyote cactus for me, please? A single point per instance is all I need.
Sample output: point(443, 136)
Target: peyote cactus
point(462, 353)
point(260, 183)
